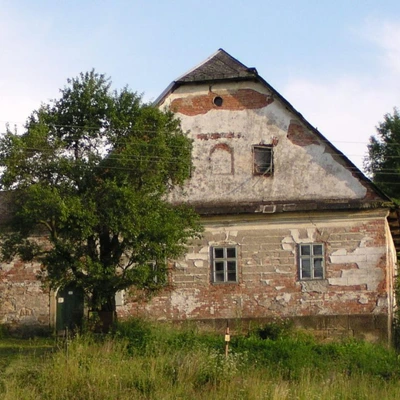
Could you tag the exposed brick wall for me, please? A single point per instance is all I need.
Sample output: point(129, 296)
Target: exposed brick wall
point(216, 136)
point(240, 99)
point(300, 136)
point(268, 284)
point(23, 301)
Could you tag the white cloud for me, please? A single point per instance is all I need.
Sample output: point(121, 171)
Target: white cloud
point(348, 108)
point(386, 36)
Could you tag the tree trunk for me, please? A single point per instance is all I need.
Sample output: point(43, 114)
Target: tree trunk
point(105, 311)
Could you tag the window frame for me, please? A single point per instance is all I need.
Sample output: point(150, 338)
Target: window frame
point(225, 260)
point(260, 149)
point(311, 258)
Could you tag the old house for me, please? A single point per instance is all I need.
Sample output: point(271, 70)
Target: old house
point(292, 228)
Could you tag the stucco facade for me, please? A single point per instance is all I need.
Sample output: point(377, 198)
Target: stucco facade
point(222, 152)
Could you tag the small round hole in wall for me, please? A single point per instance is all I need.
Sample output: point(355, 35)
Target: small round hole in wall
point(218, 101)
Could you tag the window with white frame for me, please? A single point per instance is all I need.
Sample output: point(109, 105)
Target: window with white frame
point(224, 264)
point(262, 160)
point(311, 261)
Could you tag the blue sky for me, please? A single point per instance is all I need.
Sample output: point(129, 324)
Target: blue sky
point(337, 62)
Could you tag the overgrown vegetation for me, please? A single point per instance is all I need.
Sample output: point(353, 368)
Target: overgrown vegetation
point(141, 360)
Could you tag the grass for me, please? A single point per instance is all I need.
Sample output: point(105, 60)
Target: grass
point(152, 361)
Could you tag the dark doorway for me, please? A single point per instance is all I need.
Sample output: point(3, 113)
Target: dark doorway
point(70, 300)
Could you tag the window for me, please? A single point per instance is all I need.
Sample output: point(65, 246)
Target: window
point(311, 260)
point(224, 263)
point(262, 160)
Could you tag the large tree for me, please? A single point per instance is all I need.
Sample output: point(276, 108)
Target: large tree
point(383, 161)
point(89, 179)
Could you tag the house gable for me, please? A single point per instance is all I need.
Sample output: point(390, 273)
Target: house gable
point(225, 105)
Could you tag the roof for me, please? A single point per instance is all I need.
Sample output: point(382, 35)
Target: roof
point(219, 65)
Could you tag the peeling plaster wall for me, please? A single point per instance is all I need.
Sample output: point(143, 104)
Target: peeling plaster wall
point(23, 301)
point(356, 259)
point(304, 166)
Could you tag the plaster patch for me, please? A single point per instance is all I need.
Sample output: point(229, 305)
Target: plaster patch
point(180, 265)
point(196, 256)
point(340, 252)
point(279, 271)
point(284, 297)
point(287, 247)
point(296, 236)
point(382, 302)
point(320, 286)
point(288, 243)
point(185, 301)
point(199, 263)
point(367, 260)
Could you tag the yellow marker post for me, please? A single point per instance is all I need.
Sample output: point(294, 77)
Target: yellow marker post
point(227, 340)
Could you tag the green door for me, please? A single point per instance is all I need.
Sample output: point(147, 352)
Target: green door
point(69, 308)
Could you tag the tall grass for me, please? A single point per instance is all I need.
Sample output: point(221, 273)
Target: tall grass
point(145, 361)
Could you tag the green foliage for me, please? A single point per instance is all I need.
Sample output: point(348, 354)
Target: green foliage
point(4, 332)
point(383, 161)
point(273, 330)
point(294, 354)
point(184, 362)
point(383, 164)
point(147, 338)
point(92, 172)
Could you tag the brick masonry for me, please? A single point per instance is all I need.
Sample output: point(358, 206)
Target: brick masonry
point(23, 300)
point(241, 99)
point(357, 265)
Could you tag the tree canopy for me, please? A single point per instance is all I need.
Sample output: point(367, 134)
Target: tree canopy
point(383, 161)
point(89, 179)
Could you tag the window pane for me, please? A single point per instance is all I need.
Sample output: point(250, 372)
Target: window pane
point(231, 252)
point(232, 276)
point(317, 249)
point(305, 250)
point(231, 266)
point(219, 277)
point(318, 269)
point(219, 266)
point(219, 252)
point(262, 159)
point(305, 269)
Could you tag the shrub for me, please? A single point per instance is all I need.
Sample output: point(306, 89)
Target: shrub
point(274, 330)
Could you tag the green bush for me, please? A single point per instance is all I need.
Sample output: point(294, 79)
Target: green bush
point(274, 330)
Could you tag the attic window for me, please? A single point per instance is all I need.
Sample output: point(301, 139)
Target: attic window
point(262, 160)
point(218, 101)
